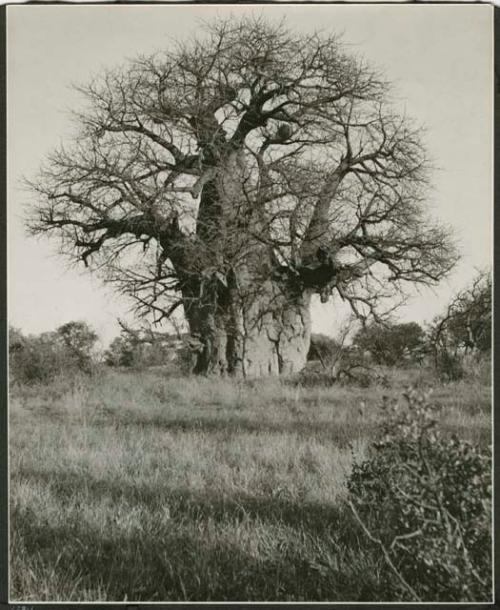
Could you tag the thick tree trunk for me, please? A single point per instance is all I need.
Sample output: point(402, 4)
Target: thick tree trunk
point(268, 336)
point(250, 320)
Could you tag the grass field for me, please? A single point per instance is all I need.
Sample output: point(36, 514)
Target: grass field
point(133, 486)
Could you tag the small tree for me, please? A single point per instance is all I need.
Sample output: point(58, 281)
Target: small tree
point(235, 176)
point(79, 340)
point(121, 352)
point(464, 328)
point(40, 358)
point(339, 361)
point(143, 347)
point(392, 344)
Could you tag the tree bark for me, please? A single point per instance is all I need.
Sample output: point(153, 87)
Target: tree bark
point(249, 321)
point(267, 335)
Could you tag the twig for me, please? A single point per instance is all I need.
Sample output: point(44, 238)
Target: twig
point(385, 552)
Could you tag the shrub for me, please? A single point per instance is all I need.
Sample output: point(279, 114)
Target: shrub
point(392, 344)
point(323, 348)
point(142, 348)
point(425, 501)
point(449, 366)
point(120, 353)
point(78, 341)
point(42, 358)
point(34, 359)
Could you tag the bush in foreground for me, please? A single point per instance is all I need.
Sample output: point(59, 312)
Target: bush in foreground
point(425, 501)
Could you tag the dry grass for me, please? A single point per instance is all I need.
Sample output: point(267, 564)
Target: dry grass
point(136, 487)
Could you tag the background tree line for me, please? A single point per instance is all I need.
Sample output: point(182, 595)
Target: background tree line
point(461, 333)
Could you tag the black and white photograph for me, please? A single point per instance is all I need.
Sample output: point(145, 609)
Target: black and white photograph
point(249, 293)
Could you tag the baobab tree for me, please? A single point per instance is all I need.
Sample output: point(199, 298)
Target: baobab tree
point(238, 174)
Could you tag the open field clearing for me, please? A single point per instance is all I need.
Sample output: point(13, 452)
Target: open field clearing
point(133, 486)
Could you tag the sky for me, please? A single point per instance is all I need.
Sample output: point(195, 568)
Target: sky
point(438, 57)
